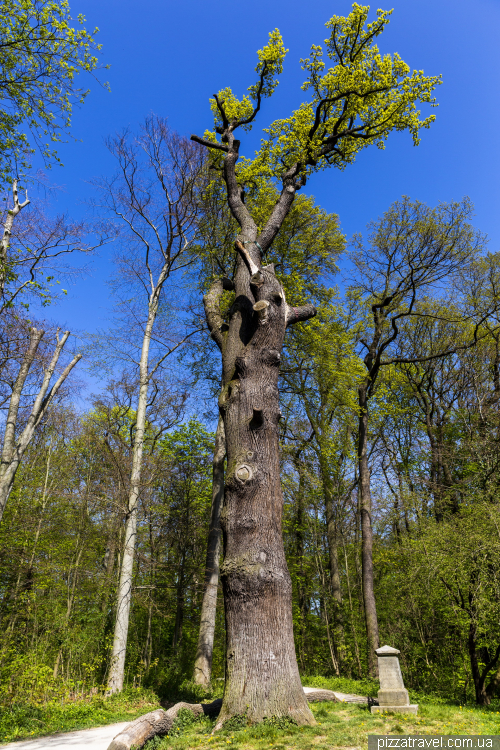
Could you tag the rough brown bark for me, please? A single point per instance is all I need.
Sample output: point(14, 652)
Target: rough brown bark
point(262, 677)
point(203, 662)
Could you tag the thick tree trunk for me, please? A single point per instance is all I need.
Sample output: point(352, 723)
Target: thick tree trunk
point(367, 537)
point(117, 666)
point(203, 661)
point(262, 677)
point(160, 722)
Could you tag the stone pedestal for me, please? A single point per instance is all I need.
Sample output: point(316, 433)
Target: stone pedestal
point(392, 695)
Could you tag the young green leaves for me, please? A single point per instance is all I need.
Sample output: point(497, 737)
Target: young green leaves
point(231, 112)
point(354, 103)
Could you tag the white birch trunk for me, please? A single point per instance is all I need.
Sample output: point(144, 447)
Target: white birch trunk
point(13, 451)
point(203, 663)
point(7, 231)
point(117, 666)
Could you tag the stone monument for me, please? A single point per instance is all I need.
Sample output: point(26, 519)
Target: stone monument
point(392, 695)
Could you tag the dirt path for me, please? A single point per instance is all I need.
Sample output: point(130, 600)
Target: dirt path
point(84, 739)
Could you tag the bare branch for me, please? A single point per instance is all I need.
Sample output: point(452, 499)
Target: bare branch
point(209, 144)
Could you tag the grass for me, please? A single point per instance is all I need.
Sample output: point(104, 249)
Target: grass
point(338, 725)
point(28, 721)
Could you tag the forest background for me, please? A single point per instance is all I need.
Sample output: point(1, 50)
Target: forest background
point(433, 435)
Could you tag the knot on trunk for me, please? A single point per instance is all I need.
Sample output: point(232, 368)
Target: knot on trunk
point(243, 473)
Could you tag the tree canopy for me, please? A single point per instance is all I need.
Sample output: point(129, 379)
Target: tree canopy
point(41, 54)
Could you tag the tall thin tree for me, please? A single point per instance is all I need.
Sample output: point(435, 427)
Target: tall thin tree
point(155, 197)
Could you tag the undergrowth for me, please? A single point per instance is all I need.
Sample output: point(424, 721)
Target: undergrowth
point(22, 720)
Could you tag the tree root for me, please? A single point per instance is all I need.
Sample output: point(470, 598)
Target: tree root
point(160, 722)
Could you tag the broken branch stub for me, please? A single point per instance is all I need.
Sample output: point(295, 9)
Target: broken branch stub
point(262, 310)
point(252, 267)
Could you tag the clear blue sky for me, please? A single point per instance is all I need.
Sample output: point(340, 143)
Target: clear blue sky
point(169, 58)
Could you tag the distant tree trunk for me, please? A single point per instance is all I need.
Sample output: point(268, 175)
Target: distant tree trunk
point(69, 606)
point(13, 450)
point(353, 625)
point(333, 543)
point(117, 666)
point(148, 643)
point(367, 536)
point(179, 609)
point(299, 558)
point(203, 661)
point(109, 559)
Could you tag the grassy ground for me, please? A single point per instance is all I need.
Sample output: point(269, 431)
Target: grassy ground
point(338, 725)
point(25, 721)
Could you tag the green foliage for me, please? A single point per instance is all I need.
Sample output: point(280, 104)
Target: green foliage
point(40, 57)
point(279, 722)
point(191, 692)
point(235, 723)
point(156, 743)
point(343, 684)
point(353, 104)
point(270, 65)
point(184, 719)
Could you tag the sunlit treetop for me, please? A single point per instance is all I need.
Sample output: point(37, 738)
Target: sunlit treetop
point(356, 97)
point(41, 54)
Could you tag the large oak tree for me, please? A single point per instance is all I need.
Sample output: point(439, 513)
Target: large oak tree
point(353, 104)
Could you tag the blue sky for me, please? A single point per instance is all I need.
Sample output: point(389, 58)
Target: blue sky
point(169, 58)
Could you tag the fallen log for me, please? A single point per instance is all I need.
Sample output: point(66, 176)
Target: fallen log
point(160, 722)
